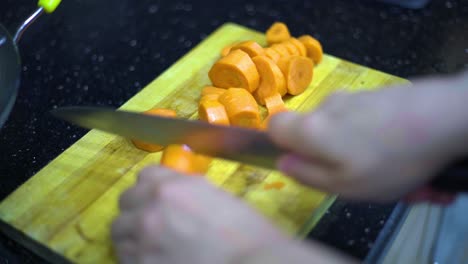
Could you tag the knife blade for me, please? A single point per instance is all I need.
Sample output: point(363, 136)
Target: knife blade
point(232, 143)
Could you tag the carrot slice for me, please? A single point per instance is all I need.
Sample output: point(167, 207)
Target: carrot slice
point(225, 51)
point(271, 79)
point(278, 185)
point(150, 147)
point(213, 112)
point(278, 32)
point(275, 104)
point(209, 97)
point(182, 159)
point(235, 70)
point(292, 50)
point(212, 90)
point(298, 72)
point(313, 47)
point(282, 50)
point(272, 54)
point(250, 47)
point(241, 107)
point(300, 47)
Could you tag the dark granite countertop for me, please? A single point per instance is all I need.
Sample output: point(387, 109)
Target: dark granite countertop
point(103, 52)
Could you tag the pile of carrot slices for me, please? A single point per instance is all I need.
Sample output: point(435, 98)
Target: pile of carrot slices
point(247, 75)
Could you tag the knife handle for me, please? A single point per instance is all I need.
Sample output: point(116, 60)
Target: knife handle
point(453, 179)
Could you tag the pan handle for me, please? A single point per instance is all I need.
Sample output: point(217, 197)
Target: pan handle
point(47, 6)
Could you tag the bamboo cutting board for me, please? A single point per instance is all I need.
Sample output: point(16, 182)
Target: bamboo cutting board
point(65, 210)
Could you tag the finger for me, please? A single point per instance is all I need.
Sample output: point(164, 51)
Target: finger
point(304, 135)
point(306, 172)
point(149, 180)
point(124, 228)
point(156, 175)
point(126, 252)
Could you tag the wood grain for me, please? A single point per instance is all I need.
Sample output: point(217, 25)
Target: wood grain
point(67, 207)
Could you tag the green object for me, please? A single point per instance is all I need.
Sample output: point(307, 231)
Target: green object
point(49, 5)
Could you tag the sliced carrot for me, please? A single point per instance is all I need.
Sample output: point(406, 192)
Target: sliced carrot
point(225, 51)
point(292, 50)
point(274, 185)
point(272, 54)
point(282, 50)
point(182, 159)
point(250, 47)
point(241, 107)
point(278, 32)
point(271, 79)
point(213, 112)
point(300, 47)
point(150, 147)
point(235, 70)
point(275, 104)
point(313, 47)
point(209, 97)
point(212, 90)
point(298, 71)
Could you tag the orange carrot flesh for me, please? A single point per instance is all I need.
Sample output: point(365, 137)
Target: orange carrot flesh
point(313, 47)
point(225, 51)
point(275, 104)
point(298, 72)
point(150, 147)
point(252, 48)
point(235, 70)
point(212, 90)
point(208, 98)
point(282, 50)
point(292, 50)
point(299, 46)
point(272, 54)
point(271, 79)
point(182, 159)
point(241, 108)
point(213, 112)
point(278, 32)
point(274, 185)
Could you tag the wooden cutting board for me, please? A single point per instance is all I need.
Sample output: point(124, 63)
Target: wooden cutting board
point(65, 210)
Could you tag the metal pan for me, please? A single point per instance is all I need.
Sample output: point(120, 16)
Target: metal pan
point(10, 63)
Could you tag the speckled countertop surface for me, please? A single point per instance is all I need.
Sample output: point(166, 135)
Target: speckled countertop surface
point(103, 52)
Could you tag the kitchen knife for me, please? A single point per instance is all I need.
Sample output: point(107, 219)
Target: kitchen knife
point(233, 143)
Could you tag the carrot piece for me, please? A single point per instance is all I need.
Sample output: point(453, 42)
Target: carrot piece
point(235, 70)
point(298, 72)
point(208, 97)
point(212, 90)
point(300, 47)
point(282, 50)
point(271, 79)
point(213, 112)
point(274, 185)
point(275, 104)
point(272, 54)
point(225, 51)
point(292, 50)
point(278, 32)
point(241, 107)
point(182, 159)
point(250, 47)
point(150, 147)
point(313, 47)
